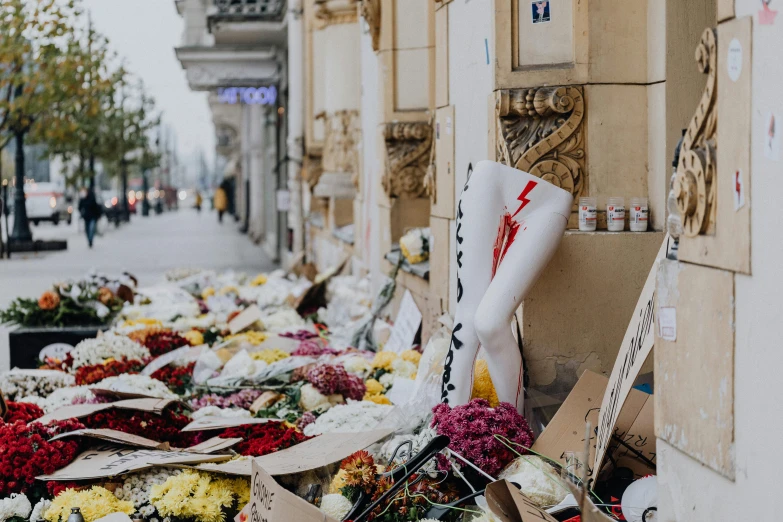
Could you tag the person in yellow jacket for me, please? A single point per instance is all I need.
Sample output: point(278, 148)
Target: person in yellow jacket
point(221, 202)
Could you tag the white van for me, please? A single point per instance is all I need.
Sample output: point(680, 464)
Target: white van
point(47, 202)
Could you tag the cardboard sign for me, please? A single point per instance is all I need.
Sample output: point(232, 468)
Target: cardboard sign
point(511, 505)
point(270, 502)
point(216, 423)
point(245, 319)
point(174, 355)
point(636, 347)
point(82, 410)
point(319, 451)
point(405, 326)
point(214, 445)
point(111, 461)
point(564, 436)
point(240, 467)
point(117, 437)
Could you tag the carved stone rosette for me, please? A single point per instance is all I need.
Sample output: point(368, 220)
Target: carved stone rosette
point(694, 186)
point(371, 12)
point(541, 131)
point(333, 12)
point(343, 133)
point(408, 148)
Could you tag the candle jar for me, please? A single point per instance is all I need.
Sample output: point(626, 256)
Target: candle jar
point(615, 214)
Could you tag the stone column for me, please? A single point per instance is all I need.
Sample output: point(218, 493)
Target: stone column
point(295, 112)
point(254, 116)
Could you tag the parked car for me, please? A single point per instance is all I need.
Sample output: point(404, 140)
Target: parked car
point(111, 206)
point(47, 202)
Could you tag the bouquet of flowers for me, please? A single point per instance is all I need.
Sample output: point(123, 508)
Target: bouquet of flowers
point(61, 397)
point(473, 428)
point(177, 378)
point(330, 379)
point(200, 497)
point(262, 439)
point(159, 343)
point(242, 399)
point(93, 373)
point(415, 245)
point(136, 488)
point(349, 418)
point(89, 301)
point(140, 384)
point(28, 453)
point(16, 384)
point(165, 427)
point(22, 411)
point(107, 346)
point(94, 503)
point(17, 506)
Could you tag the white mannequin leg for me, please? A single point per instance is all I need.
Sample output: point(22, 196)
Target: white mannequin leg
point(535, 244)
point(498, 202)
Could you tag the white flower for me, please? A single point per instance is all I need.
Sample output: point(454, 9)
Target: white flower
point(402, 368)
point(39, 509)
point(353, 417)
point(26, 383)
point(214, 411)
point(17, 505)
point(335, 505)
point(311, 399)
point(357, 365)
point(108, 346)
point(415, 242)
point(387, 379)
point(283, 320)
point(64, 397)
point(141, 384)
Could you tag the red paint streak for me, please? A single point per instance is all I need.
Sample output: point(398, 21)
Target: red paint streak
point(523, 196)
point(507, 232)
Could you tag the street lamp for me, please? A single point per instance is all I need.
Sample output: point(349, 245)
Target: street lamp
point(6, 212)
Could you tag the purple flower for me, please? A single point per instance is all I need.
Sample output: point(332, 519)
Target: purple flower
point(330, 379)
point(243, 399)
point(307, 418)
point(473, 427)
point(301, 335)
point(313, 348)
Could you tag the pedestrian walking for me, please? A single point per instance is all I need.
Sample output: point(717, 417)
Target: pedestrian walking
point(221, 202)
point(199, 201)
point(91, 212)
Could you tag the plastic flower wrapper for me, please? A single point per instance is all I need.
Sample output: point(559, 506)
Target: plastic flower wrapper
point(537, 479)
point(352, 417)
point(140, 384)
point(283, 320)
point(214, 411)
point(407, 451)
point(15, 506)
point(201, 497)
point(94, 503)
point(39, 383)
point(107, 346)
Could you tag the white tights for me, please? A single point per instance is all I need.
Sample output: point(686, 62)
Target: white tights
point(505, 215)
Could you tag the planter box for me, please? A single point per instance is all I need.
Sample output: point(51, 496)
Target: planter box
point(26, 343)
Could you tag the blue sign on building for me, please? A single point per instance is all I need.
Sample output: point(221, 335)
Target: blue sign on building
point(248, 95)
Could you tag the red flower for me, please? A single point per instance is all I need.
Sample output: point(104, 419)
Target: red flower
point(26, 452)
point(162, 342)
point(262, 439)
point(23, 411)
point(165, 427)
point(177, 378)
point(97, 372)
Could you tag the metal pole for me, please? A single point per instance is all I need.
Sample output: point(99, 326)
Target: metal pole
point(6, 212)
point(21, 231)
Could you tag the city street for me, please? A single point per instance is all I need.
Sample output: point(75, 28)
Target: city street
point(147, 247)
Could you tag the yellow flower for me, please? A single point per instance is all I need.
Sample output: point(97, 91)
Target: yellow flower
point(377, 398)
point(208, 291)
point(482, 384)
point(194, 337)
point(384, 360)
point(411, 356)
point(338, 482)
point(142, 321)
point(94, 503)
point(253, 337)
point(373, 387)
point(199, 496)
point(269, 355)
point(259, 280)
point(231, 289)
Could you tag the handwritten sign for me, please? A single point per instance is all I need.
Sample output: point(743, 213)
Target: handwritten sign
point(272, 503)
point(636, 346)
point(405, 326)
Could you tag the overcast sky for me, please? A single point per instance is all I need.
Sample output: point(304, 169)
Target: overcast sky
point(145, 33)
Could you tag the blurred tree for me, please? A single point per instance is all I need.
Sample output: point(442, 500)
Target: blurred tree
point(38, 71)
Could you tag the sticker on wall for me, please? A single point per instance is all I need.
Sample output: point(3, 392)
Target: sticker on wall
point(667, 323)
point(448, 125)
point(541, 11)
point(766, 15)
point(771, 137)
point(734, 60)
point(738, 190)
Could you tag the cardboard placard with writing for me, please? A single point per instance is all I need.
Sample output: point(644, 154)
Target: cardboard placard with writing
point(214, 445)
point(270, 502)
point(216, 423)
point(636, 346)
point(111, 460)
point(318, 452)
point(117, 437)
point(509, 504)
point(78, 411)
point(245, 319)
point(566, 431)
point(239, 467)
point(406, 325)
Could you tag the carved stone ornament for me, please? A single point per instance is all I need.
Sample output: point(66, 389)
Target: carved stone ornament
point(341, 144)
point(408, 155)
point(694, 186)
point(541, 131)
point(371, 12)
point(333, 12)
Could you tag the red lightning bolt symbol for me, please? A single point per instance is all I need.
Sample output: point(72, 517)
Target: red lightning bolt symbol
point(523, 196)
